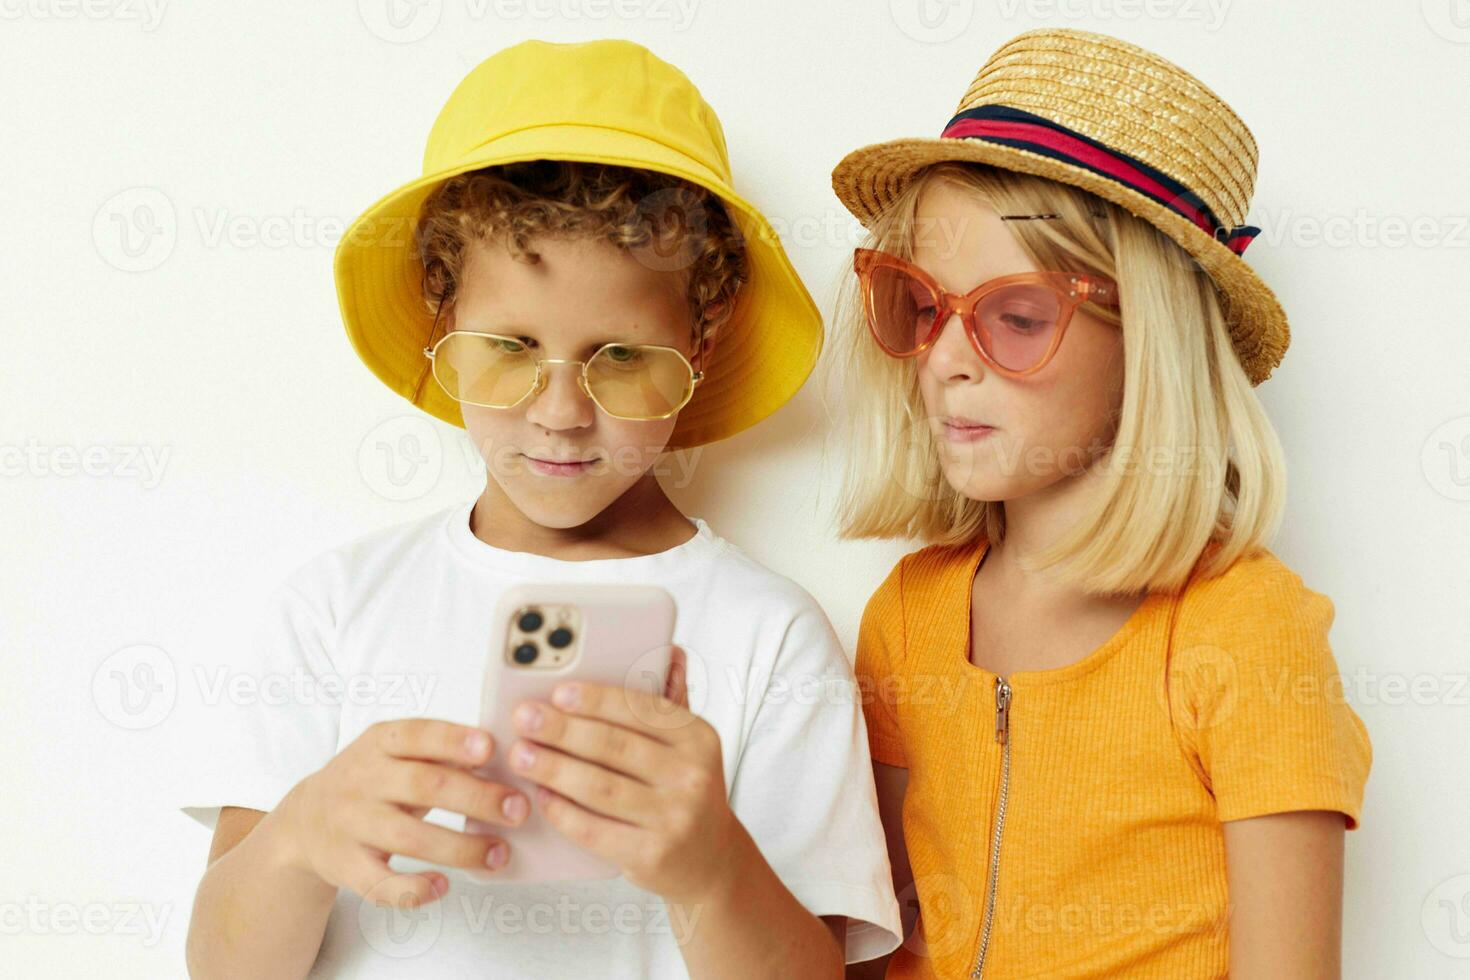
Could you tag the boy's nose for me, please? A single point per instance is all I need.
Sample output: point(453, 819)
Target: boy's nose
point(561, 403)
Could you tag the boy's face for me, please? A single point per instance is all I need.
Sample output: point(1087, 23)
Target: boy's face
point(584, 293)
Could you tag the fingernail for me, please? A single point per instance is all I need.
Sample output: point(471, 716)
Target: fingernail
point(521, 756)
point(529, 717)
point(495, 857)
point(515, 808)
point(566, 696)
point(476, 744)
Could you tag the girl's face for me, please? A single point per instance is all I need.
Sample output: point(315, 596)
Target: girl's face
point(584, 293)
point(1043, 428)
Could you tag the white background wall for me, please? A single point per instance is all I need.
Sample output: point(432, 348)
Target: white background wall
point(174, 181)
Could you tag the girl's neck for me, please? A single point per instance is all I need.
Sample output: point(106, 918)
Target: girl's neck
point(1033, 524)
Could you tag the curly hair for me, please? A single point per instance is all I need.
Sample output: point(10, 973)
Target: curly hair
point(670, 223)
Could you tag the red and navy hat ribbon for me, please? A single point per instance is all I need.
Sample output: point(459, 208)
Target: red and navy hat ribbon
point(1027, 131)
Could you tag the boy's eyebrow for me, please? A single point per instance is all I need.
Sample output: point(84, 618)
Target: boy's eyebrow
point(525, 332)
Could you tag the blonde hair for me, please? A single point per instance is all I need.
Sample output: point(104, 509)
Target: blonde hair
point(1184, 393)
point(671, 222)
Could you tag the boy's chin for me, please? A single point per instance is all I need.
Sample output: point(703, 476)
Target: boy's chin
point(570, 507)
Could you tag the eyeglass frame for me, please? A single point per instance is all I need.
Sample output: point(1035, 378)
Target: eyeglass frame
point(1072, 289)
point(539, 383)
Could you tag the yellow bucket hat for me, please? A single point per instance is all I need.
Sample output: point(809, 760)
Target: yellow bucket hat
point(611, 102)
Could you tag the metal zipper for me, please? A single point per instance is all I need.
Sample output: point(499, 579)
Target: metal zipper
point(1003, 736)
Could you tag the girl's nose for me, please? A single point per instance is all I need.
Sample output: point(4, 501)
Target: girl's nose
point(953, 357)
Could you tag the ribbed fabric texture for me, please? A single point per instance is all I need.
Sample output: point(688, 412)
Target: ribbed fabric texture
point(1219, 703)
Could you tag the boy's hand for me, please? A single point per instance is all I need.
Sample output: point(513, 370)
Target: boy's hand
point(636, 779)
point(343, 822)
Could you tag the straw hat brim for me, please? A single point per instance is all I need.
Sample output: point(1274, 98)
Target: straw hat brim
point(762, 356)
point(869, 179)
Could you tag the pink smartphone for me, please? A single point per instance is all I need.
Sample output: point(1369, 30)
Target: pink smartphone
point(543, 635)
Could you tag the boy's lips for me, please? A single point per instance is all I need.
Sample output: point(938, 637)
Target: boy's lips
point(555, 466)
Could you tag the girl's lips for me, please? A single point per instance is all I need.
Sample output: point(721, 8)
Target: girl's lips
point(550, 468)
point(957, 432)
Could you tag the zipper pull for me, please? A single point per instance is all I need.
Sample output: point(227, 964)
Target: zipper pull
point(1002, 710)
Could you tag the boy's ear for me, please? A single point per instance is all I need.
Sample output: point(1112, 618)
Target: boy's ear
point(704, 335)
point(446, 320)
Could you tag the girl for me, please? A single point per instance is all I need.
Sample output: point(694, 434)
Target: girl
point(1107, 726)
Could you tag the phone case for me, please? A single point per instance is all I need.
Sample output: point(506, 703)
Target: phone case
point(625, 634)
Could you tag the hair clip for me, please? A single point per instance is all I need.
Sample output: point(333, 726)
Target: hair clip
point(1028, 217)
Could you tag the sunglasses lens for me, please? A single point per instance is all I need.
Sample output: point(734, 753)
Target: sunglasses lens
point(1018, 323)
point(639, 382)
point(495, 372)
point(901, 309)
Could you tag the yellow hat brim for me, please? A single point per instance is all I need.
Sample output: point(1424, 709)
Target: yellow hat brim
point(762, 355)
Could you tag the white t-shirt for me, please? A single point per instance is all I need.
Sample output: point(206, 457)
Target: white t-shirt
point(396, 624)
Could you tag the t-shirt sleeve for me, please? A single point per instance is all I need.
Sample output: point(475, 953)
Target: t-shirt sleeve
point(264, 723)
point(878, 663)
point(1256, 696)
point(804, 790)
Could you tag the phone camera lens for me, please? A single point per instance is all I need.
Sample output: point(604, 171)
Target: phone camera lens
point(560, 637)
point(525, 653)
point(530, 621)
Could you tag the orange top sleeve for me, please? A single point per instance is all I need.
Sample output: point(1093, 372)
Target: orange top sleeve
point(1258, 701)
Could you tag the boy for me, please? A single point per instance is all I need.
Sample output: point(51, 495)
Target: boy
point(577, 252)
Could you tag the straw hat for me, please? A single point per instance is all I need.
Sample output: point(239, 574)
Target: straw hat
point(1123, 123)
point(607, 101)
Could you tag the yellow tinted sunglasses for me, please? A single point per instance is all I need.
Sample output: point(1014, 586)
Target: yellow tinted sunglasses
point(636, 382)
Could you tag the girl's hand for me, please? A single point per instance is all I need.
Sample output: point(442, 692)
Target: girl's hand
point(636, 779)
point(343, 822)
